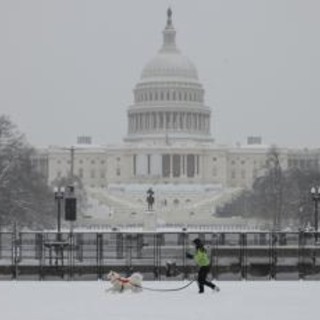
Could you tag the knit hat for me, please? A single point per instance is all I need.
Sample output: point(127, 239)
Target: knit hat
point(197, 242)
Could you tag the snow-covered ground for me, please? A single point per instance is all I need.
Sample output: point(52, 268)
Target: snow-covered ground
point(89, 301)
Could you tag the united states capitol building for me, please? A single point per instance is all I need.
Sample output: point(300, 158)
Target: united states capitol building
point(168, 147)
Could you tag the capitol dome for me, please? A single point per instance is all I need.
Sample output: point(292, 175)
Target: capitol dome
point(169, 63)
point(172, 65)
point(169, 98)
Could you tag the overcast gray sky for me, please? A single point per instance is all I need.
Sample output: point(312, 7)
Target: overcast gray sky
point(68, 67)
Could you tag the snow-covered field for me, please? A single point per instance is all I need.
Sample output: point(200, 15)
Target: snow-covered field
point(89, 301)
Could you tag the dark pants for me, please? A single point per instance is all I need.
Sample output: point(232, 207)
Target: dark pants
point(202, 279)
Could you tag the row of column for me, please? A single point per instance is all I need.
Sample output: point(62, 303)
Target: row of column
point(166, 165)
point(160, 121)
point(147, 96)
point(176, 165)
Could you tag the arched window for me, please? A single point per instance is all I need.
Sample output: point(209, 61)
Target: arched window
point(161, 96)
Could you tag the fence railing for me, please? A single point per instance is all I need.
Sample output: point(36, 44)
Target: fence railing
point(160, 255)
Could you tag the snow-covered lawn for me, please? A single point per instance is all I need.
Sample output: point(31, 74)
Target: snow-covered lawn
point(89, 301)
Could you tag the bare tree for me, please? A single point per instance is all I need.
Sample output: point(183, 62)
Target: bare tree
point(274, 171)
point(280, 196)
point(23, 193)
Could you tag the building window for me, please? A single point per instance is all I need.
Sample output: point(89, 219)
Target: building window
point(233, 174)
point(198, 164)
point(189, 121)
point(181, 121)
point(134, 164)
point(166, 165)
point(183, 164)
point(243, 174)
point(161, 120)
point(174, 124)
point(118, 172)
point(167, 120)
point(154, 121)
point(92, 174)
point(102, 174)
point(149, 164)
point(190, 165)
point(176, 162)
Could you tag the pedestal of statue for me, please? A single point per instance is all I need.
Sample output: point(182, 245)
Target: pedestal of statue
point(150, 220)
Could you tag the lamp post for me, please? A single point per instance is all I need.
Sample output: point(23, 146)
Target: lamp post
point(59, 196)
point(315, 194)
point(301, 220)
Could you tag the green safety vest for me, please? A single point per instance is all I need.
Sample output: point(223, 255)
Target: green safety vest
point(201, 258)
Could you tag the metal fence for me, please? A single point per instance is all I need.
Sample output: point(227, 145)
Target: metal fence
point(160, 256)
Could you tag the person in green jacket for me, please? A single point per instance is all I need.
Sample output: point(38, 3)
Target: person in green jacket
point(202, 260)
